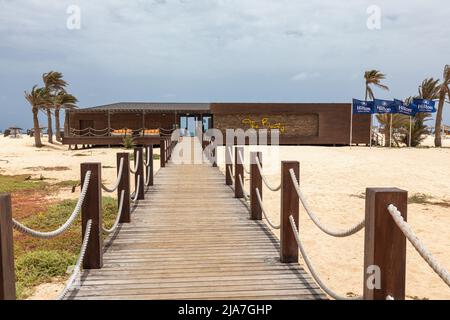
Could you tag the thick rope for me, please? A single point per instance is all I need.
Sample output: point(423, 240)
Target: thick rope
point(315, 219)
point(119, 178)
point(243, 163)
point(51, 234)
point(147, 178)
point(261, 205)
point(313, 272)
point(77, 268)
point(418, 245)
point(136, 191)
point(136, 166)
point(119, 215)
point(230, 154)
point(147, 160)
point(271, 188)
point(242, 187)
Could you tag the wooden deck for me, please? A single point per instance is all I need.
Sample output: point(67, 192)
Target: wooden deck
point(191, 239)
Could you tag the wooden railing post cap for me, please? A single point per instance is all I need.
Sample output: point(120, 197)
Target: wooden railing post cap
point(90, 164)
point(290, 162)
point(385, 189)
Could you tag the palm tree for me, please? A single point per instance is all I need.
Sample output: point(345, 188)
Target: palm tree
point(62, 100)
point(37, 99)
point(399, 122)
point(429, 89)
point(54, 83)
point(419, 130)
point(374, 77)
point(444, 90)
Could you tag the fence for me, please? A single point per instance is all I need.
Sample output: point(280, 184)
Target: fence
point(386, 230)
point(89, 204)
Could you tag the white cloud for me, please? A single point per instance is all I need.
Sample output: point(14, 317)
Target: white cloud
point(221, 49)
point(305, 76)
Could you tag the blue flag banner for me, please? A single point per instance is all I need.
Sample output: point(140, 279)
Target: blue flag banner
point(402, 108)
point(384, 106)
point(425, 106)
point(362, 107)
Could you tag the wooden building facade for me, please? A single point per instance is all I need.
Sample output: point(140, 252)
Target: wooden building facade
point(298, 123)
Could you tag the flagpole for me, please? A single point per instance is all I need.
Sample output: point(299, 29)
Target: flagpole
point(351, 126)
point(390, 133)
point(371, 133)
point(410, 130)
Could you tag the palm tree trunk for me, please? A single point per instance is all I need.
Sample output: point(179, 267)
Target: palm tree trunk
point(438, 126)
point(57, 125)
point(49, 129)
point(37, 130)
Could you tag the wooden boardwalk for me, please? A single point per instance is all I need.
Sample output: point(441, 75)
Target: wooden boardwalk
point(191, 239)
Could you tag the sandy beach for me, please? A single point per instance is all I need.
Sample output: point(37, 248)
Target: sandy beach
point(334, 181)
point(56, 162)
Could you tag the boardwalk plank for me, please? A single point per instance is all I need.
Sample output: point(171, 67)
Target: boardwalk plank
point(190, 239)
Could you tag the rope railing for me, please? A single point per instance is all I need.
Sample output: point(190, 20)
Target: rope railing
point(315, 219)
point(264, 179)
point(313, 272)
point(89, 129)
point(418, 245)
point(51, 234)
point(166, 130)
point(119, 178)
point(147, 161)
point(136, 194)
point(136, 165)
point(119, 215)
point(261, 205)
point(243, 163)
point(89, 207)
point(231, 175)
point(241, 182)
point(77, 267)
point(147, 177)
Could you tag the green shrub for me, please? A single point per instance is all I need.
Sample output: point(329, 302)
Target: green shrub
point(36, 267)
point(37, 260)
point(128, 142)
point(19, 182)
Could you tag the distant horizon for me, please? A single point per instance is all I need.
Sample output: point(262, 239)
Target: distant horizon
point(224, 51)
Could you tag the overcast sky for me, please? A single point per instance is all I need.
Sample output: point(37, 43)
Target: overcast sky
point(218, 50)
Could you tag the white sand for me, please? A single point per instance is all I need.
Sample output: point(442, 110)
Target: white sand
point(332, 178)
point(22, 158)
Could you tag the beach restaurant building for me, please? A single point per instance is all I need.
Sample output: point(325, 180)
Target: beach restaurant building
point(298, 123)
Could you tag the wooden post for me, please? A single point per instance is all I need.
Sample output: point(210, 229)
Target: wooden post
point(138, 152)
point(385, 245)
point(92, 210)
point(228, 165)
point(167, 150)
point(109, 123)
point(150, 167)
point(289, 207)
point(255, 182)
point(7, 276)
point(124, 184)
point(169, 143)
point(238, 171)
point(162, 153)
point(214, 154)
